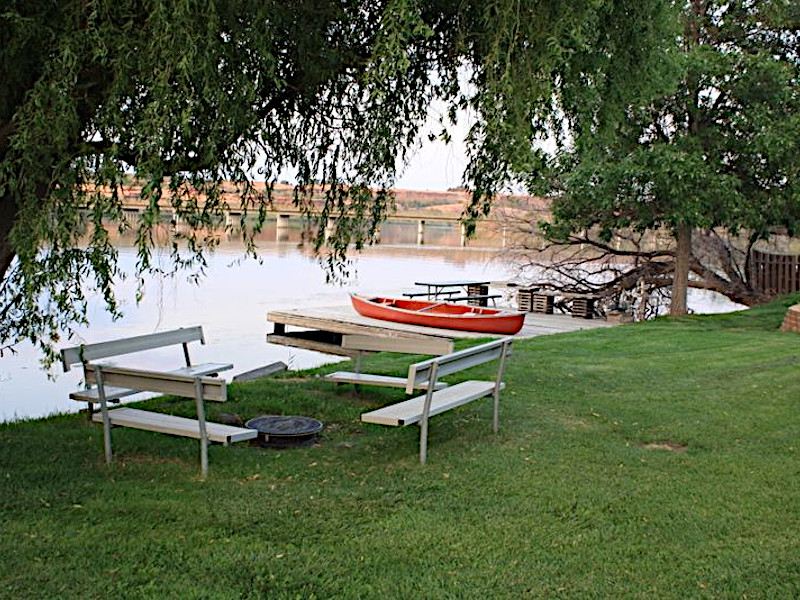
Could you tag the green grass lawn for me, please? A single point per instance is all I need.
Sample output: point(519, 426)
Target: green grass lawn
point(657, 460)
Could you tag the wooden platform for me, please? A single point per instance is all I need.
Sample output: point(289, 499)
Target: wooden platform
point(341, 331)
point(151, 421)
point(544, 324)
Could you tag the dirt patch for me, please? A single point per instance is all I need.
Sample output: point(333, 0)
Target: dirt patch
point(149, 460)
point(669, 446)
point(570, 422)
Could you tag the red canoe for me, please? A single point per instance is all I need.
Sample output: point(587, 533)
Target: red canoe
point(445, 315)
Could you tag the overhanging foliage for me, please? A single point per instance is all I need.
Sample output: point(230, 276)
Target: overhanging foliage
point(186, 95)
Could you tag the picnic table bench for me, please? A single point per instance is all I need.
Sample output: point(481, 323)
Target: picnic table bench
point(447, 293)
point(476, 299)
point(106, 383)
point(425, 375)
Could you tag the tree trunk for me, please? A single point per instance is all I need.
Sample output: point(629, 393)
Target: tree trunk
point(680, 278)
point(8, 215)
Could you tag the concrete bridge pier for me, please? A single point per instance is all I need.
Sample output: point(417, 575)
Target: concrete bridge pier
point(463, 235)
point(330, 227)
point(233, 221)
point(130, 215)
point(420, 232)
point(282, 228)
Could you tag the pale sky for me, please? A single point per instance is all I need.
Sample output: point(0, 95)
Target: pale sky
point(436, 165)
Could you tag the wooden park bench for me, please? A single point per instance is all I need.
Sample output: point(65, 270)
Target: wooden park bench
point(107, 383)
point(436, 401)
point(85, 353)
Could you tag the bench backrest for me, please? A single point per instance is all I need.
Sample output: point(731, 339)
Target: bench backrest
point(87, 352)
point(153, 381)
point(420, 372)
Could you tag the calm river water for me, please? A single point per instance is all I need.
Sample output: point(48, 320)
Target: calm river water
point(232, 301)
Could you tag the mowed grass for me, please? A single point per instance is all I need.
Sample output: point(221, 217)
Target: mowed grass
point(657, 460)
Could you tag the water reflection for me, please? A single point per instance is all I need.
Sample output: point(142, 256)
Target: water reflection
point(231, 304)
point(232, 301)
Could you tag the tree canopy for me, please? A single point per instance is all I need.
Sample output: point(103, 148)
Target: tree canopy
point(185, 95)
point(715, 150)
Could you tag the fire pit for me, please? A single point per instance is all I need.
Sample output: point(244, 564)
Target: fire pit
point(279, 431)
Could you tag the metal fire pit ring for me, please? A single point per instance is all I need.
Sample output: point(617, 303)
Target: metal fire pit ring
point(281, 431)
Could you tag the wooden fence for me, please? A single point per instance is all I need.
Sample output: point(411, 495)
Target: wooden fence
point(775, 274)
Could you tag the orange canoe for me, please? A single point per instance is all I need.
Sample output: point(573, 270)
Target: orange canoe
point(445, 315)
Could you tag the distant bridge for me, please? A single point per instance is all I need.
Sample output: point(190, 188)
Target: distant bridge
point(283, 214)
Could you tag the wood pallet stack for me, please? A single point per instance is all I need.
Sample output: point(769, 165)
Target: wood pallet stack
point(542, 303)
point(477, 290)
point(525, 300)
point(531, 300)
point(583, 308)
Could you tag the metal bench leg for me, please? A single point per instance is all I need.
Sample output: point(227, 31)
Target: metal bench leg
point(201, 420)
point(500, 372)
point(423, 426)
point(101, 392)
point(358, 358)
point(186, 354)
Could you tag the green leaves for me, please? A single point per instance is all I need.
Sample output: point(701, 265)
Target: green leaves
point(713, 151)
point(188, 95)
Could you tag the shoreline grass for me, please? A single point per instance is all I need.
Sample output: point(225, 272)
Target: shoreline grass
point(576, 497)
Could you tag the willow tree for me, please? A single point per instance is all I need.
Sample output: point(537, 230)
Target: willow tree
point(714, 152)
point(186, 95)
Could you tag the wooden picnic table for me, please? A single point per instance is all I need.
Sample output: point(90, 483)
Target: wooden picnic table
point(471, 287)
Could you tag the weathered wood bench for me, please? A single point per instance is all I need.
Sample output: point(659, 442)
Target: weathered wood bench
point(436, 401)
point(105, 383)
point(200, 388)
point(430, 294)
point(476, 299)
point(86, 353)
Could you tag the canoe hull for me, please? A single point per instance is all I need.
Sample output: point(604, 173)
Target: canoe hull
point(444, 315)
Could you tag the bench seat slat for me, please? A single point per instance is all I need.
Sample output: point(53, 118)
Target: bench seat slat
point(170, 424)
point(377, 380)
point(410, 411)
point(115, 393)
